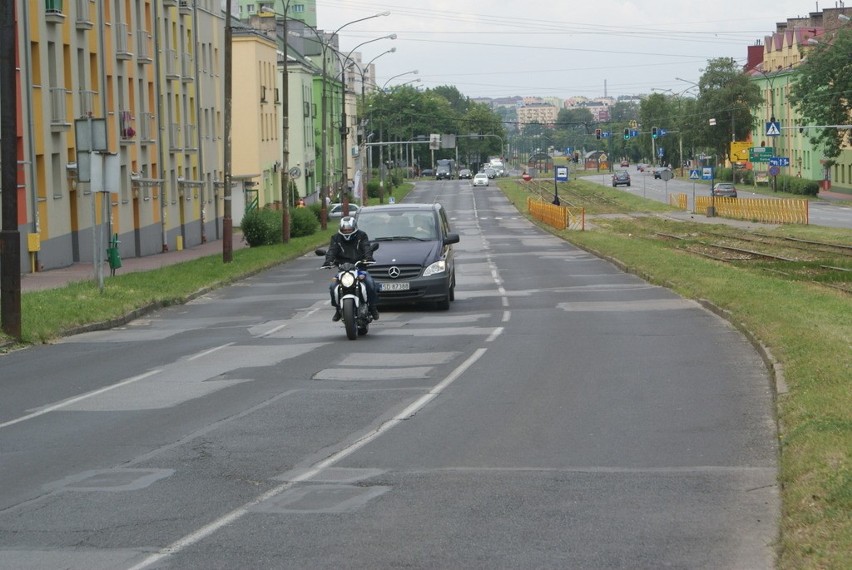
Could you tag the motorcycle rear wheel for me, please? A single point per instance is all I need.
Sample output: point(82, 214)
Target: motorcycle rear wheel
point(349, 319)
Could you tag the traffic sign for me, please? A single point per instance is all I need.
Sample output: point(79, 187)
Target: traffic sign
point(694, 174)
point(760, 153)
point(773, 128)
point(774, 170)
point(662, 132)
point(634, 132)
point(606, 134)
point(779, 161)
point(707, 173)
point(561, 173)
point(660, 152)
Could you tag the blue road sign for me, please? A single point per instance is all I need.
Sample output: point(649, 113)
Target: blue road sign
point(605, 134)
point(774, 170)
point(694, 174)
point(662, 132)
point(561, 173)
point(634, 133)
point(707, 173)
point(773, 128)
point(779, 161)
point(569, 150)
point(660, 152)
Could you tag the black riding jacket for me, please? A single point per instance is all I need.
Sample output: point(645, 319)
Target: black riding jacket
point(356, 248)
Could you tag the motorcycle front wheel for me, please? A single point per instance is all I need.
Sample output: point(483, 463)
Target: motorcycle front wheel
point(349, 319)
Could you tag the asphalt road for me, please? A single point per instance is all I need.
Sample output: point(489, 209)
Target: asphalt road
point(562, 414)
point(820, 213)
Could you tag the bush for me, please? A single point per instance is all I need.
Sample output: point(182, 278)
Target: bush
point(373, 188)
point(261, 227)
point(303, 222)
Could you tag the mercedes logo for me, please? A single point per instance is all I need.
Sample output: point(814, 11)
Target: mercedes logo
point(394, 272)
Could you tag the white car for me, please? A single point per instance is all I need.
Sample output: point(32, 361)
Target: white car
point(336, 210)
point(481, 179)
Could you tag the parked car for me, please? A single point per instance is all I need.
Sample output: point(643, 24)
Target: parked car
point(481, 179)
point(415, 263)
point(427, 172)
point(465, 173)
point(625, 163)
point(336, 210)
point(620, 177)
point(658, 171)
point(725, 190)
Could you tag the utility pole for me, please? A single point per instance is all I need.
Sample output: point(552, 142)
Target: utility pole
point(10, 236)
point(285, 121)
point(227, 223)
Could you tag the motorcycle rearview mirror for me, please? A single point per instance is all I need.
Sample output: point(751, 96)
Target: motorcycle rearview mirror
point(319, 251)
point(374, 246)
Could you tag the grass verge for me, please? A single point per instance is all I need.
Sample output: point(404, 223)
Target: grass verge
point(808, 329)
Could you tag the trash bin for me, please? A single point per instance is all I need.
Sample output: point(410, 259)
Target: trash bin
point(113, 255)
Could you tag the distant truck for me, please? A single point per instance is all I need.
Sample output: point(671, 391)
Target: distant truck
point(445, 169)
point(498, 165)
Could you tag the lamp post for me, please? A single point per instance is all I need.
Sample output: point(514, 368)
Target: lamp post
point(415, 72)
point(344, 131)
point(678, 96)
point(362, 122)
point(324, 105)
point(285, 130)
point(381, 146)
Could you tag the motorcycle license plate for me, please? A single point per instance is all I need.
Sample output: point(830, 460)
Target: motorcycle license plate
point(395, 286)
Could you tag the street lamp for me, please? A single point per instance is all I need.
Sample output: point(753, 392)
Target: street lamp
point(285, 129)
point(362, 71)
point(324, 105)
point(343, 130)
point(415, 72)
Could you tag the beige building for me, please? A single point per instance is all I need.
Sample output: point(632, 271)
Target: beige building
point(539, 113)
point(144, 78)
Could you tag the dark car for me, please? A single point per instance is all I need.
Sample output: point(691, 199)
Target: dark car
point(465, 174)
point(427, 172)
point(725, 190)
point(658, 172)
point(620, 177)
point(415, 263)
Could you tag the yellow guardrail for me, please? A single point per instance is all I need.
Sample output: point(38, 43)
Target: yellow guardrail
point(679, 200)
point(560, 217)
point(787, 211)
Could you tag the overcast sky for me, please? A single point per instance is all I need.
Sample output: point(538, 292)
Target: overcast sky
point(555, 48)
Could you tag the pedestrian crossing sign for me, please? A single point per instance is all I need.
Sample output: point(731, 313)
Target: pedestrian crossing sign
point(773, 128)
point(694, 174)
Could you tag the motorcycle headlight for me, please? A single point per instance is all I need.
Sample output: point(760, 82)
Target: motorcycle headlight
point(347, 280)
point(435, 268)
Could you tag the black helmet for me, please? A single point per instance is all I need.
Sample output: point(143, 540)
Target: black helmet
point(347, 227)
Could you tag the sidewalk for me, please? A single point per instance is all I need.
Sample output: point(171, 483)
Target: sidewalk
point(84, 271)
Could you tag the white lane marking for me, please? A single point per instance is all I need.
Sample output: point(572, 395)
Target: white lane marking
point(209, 351)
point(80, 398)
point(238, 513)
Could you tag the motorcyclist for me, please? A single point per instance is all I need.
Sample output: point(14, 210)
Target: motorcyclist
point(351, 245)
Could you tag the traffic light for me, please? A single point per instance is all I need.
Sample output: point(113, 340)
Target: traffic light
point(653, 132)
point(626, 134)
point(597, 133)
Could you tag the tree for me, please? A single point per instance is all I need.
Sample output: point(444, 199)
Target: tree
point(822, 91)
point(726, 94)
point(459, 103)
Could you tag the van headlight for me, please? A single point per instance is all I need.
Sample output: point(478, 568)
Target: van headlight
point(435, 268)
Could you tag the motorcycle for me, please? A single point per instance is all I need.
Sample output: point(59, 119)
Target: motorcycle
point(350, 296)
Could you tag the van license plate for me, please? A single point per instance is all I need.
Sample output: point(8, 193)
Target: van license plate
point(395, 286)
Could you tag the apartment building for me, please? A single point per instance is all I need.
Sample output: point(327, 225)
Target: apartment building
point(121, 126)
point(772, 68)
